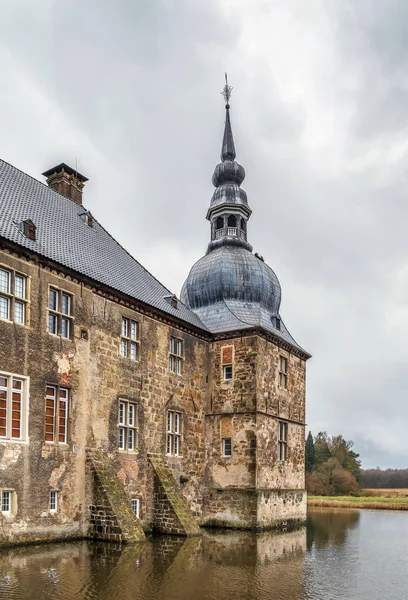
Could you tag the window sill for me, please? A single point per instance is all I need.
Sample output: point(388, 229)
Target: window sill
point(128, 451)
point(59, 337)
point(11, 441)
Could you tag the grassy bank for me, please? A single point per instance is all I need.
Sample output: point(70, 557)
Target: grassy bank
point(376, 502)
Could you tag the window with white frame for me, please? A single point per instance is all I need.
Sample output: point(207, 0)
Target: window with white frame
point(6, 502)
point(227, 369)
point(283, 372)
point(56, 414)
point(282, 440)
point(176, 355)
point(173, 433)
point(60, 313)
point(127, 422)
point(13, 296)
point(135, 504)
point(53, 501)
point(129, 342)
point(226, 447)
point(13, 407)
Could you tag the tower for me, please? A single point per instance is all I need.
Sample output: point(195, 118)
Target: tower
point(255, 415)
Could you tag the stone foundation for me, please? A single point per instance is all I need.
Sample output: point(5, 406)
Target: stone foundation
point(237, 508)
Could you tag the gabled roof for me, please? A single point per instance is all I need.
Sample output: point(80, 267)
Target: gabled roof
point(63, 237)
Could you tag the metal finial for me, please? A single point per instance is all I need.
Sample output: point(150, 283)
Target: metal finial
point(226, 92)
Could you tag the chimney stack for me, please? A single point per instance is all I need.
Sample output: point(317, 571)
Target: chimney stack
point(66, 181)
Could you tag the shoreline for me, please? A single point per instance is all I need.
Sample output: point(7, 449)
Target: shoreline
point(375, 504)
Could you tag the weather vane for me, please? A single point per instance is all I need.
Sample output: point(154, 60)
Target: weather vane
point(226, 92)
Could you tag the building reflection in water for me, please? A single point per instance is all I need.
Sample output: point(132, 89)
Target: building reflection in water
point(330, 526)
point(235, 565)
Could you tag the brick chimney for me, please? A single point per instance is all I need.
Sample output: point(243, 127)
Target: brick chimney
point(66, 181)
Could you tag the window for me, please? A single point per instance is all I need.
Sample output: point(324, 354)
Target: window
point(127, 422)
point(13, 296)
point(6, 502)
point(226, 447)
point(227, 372)
point(232, 221)
point(173, 433)
point(283, 372)
point(176, 355)
point(282, 440)
point(219, 223)
point(29, 229)
point(13, 407)
point(130, 339)
point(60, 313)
point(56, 414)
point(135, 504)
point(53, 501)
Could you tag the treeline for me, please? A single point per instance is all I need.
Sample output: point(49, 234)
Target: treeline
point(387, 478)
point(332, 466)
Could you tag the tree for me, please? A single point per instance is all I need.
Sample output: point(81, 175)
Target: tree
point(321, 447)
point(310, 457)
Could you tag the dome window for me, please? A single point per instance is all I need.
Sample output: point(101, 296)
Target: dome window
point(232, 225)
point(219, 227)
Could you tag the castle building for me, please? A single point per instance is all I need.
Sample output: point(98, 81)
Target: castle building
point(125, 409)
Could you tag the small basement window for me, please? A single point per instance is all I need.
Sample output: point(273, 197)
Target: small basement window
point(135, 504)
point(226, 447)
point(53, 501)
point(6, 502)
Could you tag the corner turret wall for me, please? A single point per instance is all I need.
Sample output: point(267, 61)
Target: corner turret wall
point(255, 487)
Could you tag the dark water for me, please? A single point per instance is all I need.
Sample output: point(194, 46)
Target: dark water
point(343, 554)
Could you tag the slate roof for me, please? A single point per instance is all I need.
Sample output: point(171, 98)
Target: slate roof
point(63, 237)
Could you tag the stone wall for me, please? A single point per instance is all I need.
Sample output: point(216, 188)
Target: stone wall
point(91, 367)
point(248, 409)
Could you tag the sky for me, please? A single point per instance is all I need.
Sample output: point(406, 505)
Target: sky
point(130, 92)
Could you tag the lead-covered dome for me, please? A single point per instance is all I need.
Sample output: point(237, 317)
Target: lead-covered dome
point(232, 273)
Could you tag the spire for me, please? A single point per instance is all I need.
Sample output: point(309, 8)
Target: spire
point(229, 210)
point(228, 148)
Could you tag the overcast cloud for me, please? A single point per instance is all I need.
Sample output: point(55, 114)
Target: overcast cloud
point(320, 116)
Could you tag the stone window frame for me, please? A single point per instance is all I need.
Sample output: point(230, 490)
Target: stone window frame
point(226, 444)
point(283, 371)
point(126, 426)
point(56, 414)
point(135, 504)
point(176, 355)
point(12, 299)
point(283, 429)
point(54, 501)
point(129, 340)
point(174, 439)
point(58, 313)
point(10, 493)
point(7, 410)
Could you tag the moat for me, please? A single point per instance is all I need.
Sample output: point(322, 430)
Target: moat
point(341, 554)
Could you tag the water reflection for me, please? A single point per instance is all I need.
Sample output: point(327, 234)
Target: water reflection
point(351, 554)
point(330, 525)
point(217, 565)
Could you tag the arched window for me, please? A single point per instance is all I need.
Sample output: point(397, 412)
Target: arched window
point(232, 221)
point(243, 225)
point(219, 223)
